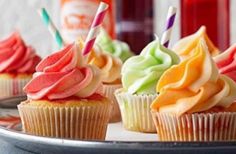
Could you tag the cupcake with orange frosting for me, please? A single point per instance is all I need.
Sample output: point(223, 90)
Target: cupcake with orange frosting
point(110, 67)
point(195, 101)
point(140, 75)
point(17, 64)
point(226, 62)
point(65, 98)
point(186, 46)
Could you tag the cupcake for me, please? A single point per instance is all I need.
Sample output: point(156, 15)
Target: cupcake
point(195, 101)
point(110, 67)
point(115, 47)
point(65, 98)
point(185, 47)
point(226, 62)
point(139, 78)
point(17, 64)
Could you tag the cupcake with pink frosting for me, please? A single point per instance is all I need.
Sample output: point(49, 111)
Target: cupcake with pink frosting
point(65, 98)
point(226, 62)
point(17, 64)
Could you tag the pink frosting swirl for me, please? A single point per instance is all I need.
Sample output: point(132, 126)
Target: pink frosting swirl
point(16, 57)
point(226, 62)
point(64, 74)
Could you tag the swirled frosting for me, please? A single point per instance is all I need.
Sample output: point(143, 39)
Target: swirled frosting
point(194, 85)
point(64, 74)
point(16, 57)
point(226, 62)
point(115, 47)
point(185, 47)
point(141, 73)
point(109, 65)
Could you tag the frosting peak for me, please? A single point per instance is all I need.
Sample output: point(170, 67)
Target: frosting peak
point(194, 85)
point(64, 74)
point(115, 47)
point(16, 57)
point(185, 47)
point(141, 73)
point(110, 66)
point(226, 62)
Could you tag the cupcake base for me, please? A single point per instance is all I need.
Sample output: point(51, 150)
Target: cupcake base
point(196, 127)
point(135, 111)
point(12, 85)
point(77, 120)
point(109, 91)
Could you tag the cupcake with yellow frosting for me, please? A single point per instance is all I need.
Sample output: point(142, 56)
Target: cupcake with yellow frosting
point(195, 101)
point(110, 67)
point(17, 64)
point(65, 98)
point(139, 78)
point(186, 46)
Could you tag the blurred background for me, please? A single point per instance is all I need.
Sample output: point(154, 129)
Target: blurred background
point(135, 21)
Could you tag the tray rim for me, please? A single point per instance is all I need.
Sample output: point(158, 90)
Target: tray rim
point(7, 134)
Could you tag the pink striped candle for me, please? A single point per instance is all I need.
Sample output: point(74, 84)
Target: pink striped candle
point(95, 28)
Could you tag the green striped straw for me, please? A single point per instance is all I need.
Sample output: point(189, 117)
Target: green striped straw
point(51, 27)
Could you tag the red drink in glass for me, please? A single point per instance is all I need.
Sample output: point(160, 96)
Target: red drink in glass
point(214, 14)
point(135, 22)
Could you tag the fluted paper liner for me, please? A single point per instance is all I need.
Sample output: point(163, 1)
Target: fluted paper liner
point(82, 122)
point(12, 86)
point(109, 91)
point(196, 127)
point(135, 111)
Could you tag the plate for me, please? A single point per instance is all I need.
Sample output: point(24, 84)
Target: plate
point(12, 102)
point(118, 140)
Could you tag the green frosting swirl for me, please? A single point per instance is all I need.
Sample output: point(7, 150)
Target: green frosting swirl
point(115, 47)
point(141, 73)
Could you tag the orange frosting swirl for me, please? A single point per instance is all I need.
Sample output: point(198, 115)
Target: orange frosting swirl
point(64, 74)
point(16, 57)
point(186, 46)
point(194, 86)
point(110, 66)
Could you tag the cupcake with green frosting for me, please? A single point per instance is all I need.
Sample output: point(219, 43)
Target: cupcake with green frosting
point(115, 47)
point(140, 75)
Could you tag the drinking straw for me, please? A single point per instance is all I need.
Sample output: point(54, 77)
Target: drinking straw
point(95, 28)
point(169, 24)
point(51, 27)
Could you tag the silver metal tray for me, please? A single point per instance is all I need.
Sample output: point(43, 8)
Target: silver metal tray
point(118, 140)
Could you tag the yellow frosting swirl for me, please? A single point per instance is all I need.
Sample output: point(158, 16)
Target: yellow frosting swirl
point(185, 47)
point(194, 85)
point(110, 66)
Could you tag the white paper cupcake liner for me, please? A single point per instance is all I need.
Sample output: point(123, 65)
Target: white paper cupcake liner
point(109, 92)
point(135, 111)
point(196, 127)
point(12, 87)
point(82, 122)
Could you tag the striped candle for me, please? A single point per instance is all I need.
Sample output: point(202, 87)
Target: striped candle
point(95, 28)
point(169, 24)
point(51, 27)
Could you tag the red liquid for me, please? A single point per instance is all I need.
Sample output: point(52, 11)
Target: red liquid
point(135, 23)
point(214, 14)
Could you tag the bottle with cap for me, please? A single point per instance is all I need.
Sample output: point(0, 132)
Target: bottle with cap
point(77, 16)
